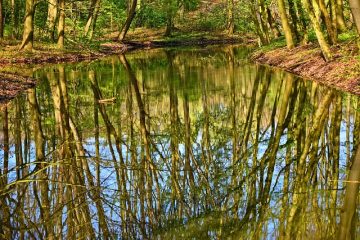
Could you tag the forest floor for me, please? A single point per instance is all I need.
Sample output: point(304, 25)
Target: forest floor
point(343, 72)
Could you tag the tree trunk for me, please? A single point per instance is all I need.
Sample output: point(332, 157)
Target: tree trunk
point(1, 19)
point(294, 19)
point(28, 35)
point(51, 18)
point(91, 21)
point(128, 21)
point(286, 25)
point(355, 10)
point(329, 27)
point(325, 48)
point(61, 26)
point(231, 24)
point(340, 20)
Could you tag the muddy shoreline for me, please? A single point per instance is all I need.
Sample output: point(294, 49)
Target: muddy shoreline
point(342, 73)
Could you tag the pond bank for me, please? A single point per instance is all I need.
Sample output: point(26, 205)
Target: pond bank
point(343, 72)
point(12, 84)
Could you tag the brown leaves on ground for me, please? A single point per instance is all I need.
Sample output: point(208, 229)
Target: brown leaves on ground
point(343, 72)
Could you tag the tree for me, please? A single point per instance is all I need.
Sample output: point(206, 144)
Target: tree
point(129, 19)
point(170, 10)
point(310, 9)
point(28, 34)
point(51, 17)
point(91, 20)
point(1, 19)
point(355, 10)
point(231, 24)
point(61, 25)
point(286, 25)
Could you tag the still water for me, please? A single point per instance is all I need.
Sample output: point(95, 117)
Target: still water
point(179, 144)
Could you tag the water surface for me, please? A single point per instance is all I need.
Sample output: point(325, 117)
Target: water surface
point(178, 144)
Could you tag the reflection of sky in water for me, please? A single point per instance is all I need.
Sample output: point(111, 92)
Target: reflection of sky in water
point(221, 140)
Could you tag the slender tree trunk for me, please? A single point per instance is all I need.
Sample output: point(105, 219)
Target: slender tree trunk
point(231, 24)
point(128, 21)
point(294, 19)
point(340, 20)
point(327, 18)
point(1, 19)
point(14, 23)
point(28, 35)
point(51, 18)
point(286, 25)
point(355, 10)
point(91, 21)
point(325, 48)
point(61, 26)
point(272, 23)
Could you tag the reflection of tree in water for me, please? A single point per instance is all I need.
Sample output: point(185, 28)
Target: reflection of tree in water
point(230, 150)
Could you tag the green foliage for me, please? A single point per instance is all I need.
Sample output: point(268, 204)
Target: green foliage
point(276, 43)
point(151, 15)
point(346, 36)
point(190, 5)
point(215, 19)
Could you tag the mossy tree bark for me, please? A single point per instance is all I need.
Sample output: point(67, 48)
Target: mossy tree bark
point(51, 18)
point(28, 35)
point(324, 45)
point(355, 10)
point(340, 20)
point(286, 25)
point(61, 25)
point(328, 23)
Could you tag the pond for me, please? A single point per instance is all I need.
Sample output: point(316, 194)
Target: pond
point(193, 143)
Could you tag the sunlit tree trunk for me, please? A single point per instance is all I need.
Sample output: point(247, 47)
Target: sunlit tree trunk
point(129, 19)
point(355, 10)
point(230, 17)
point(325, 48)
point(51, 17)
point(328, 23)
point(272, 23)
point(91, 21)
point(340, 20)
point(28, 35)
point(286, 24)
point(61, 25)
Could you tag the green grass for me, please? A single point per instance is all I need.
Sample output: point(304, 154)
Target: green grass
point(276, 43)
point(347, 36)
